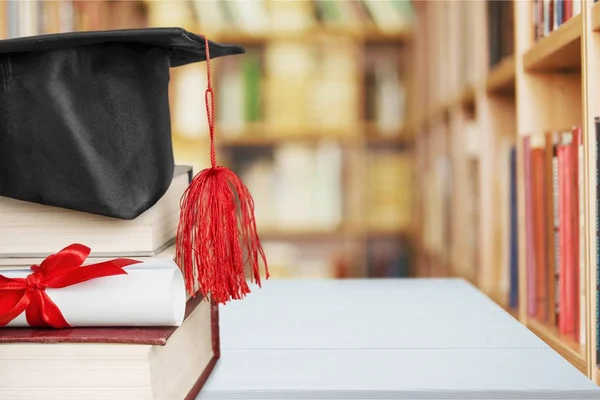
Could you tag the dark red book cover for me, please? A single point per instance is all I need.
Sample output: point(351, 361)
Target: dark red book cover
point(155, 336)
point(562, 291)
point(568, 246)
point(539, 232)
point(577, 138)
point(549, 205)
point(567, 10)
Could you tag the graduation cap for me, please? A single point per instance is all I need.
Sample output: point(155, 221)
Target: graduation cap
point(85, 125)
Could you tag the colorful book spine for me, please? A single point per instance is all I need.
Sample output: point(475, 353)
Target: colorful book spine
point(514, 233)
point(557, 253)
point(529, 227)
point(597, 126)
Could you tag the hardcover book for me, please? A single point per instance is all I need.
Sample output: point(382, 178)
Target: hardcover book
point(159, 363)
point(50, 228)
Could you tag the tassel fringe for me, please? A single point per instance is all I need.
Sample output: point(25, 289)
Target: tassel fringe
point(214, 247)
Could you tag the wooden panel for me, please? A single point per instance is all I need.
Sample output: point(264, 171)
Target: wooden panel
point(560, 50)
point(595, 17)
point(501, 78)
point(565, 346)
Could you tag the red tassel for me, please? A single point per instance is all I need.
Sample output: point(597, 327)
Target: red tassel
point(216, 236)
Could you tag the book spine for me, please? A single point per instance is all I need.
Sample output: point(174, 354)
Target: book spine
point(581, 259)
point(550, 268)
point(556, 197)
point(597, 137)
point(575, 291)
point(546, 18)
point(514, 233)
point(539, 230)
point(530, 256)
point(562, 232)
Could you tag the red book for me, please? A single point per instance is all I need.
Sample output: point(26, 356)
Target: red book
point(539, 231)
point(568, 230)
point(575, 267)
point(562, 291)
point(162, 363)
point(567, 10)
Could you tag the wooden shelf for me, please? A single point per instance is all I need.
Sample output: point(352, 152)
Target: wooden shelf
point(301, 234)
point(261, 134)
point(325, 234)
point(596, 17)
point(467, 96)
point(387, 233)
point(374, 135)
point(567, 347)
point(366, 35)
point(560, 50)
point(501, 78)
point(270, 140)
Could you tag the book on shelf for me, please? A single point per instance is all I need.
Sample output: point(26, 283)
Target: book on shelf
point(597, 238)
point(239, 95)
point(35, 17)
point(553, 168)
point(48, 229)
point(385, 100)
point(513, 299)
point(551, 224)
point(549, 15)
point(500, 23)
point(388, 258)
point(529, 242)
point(297, 186)
point(125, 363)
point(537, 183)
point(389, 189)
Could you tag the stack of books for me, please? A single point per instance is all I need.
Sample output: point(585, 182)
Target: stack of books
point(100, 363)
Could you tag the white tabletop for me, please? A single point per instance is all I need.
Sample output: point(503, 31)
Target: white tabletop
point(384, 339)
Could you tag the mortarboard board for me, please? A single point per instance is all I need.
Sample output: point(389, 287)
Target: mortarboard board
point(84, 116)
point(85, 125)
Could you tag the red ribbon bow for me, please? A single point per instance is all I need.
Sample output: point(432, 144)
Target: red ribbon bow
point(56, 271)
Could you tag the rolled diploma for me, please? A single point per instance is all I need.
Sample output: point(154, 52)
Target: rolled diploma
point(151, 294)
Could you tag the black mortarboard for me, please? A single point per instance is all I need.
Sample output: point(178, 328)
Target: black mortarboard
point(84, 116)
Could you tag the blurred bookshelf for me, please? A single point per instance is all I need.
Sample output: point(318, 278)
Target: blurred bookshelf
point(313, 117)
point(506, 145)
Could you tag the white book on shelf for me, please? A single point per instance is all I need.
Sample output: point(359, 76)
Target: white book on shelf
point(294, 163)
point(231, 98)
point(327, 210)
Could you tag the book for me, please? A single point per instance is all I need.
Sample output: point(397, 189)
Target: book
point(26, 263)
point(539, 225)
point(161, 363)
point(514, 233)
point(529, 229)
point(569, 224)
point(597, 212)
point(550, 228)
point(49, 229)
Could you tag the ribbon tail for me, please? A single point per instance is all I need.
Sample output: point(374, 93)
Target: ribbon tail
point(43, 312)
point(9, 313)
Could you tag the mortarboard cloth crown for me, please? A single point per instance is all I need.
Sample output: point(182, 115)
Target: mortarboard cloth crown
point(84, 116)
point(85, 125)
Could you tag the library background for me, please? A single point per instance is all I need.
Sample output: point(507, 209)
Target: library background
point(400, 139)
